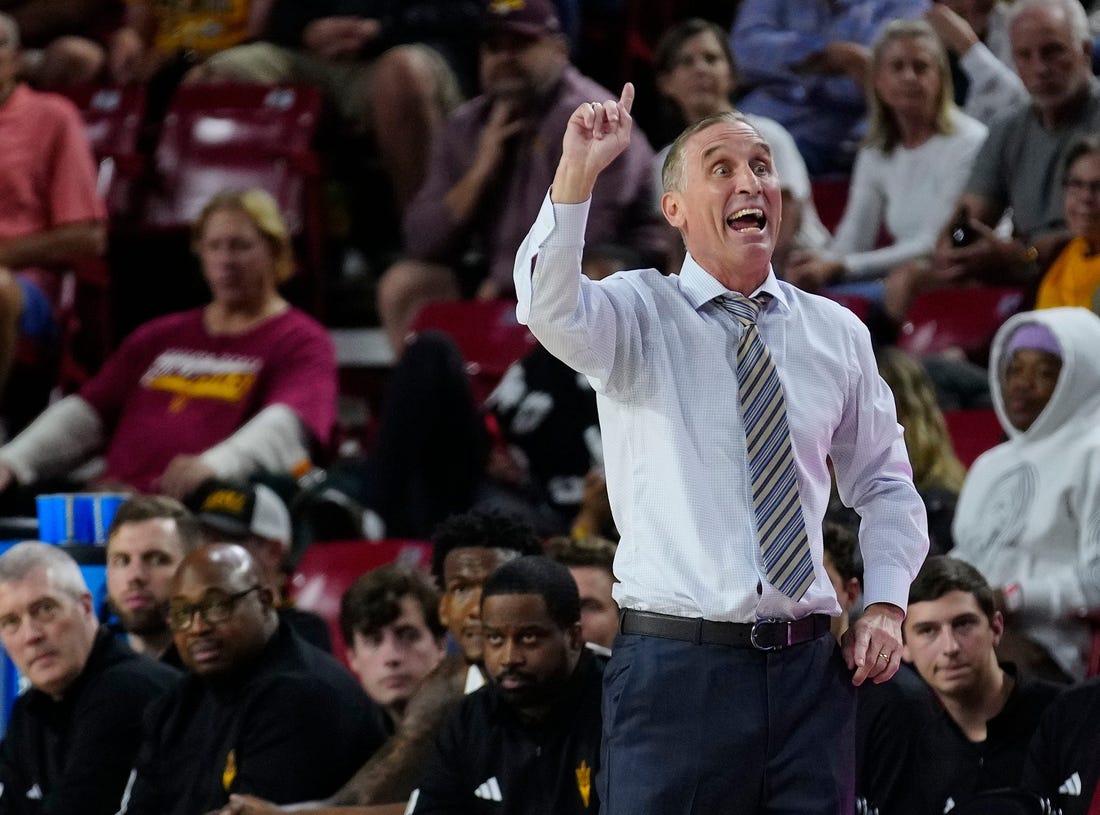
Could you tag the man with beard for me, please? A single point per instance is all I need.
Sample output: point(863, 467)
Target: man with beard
point(149, 536)
point(261, 711)
point(490, 166)
point(529, 742)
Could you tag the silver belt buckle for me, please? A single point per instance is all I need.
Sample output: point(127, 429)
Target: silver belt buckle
point(758, 646)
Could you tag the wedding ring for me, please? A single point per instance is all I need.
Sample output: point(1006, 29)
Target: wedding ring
point(884, 655)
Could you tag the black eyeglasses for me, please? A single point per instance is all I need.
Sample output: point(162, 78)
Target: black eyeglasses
point(1081, 186)
point(213, 610)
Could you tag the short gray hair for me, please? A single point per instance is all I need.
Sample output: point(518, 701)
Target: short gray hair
point(1071, 10)
point(28, 557)
point(9, 29)
point(672, 172)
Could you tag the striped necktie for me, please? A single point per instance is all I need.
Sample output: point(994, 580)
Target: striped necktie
point(784, 547)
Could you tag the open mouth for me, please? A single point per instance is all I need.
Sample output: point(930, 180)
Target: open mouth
point(750, 219)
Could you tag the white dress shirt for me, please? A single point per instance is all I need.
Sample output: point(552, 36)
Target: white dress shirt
point(662, 358)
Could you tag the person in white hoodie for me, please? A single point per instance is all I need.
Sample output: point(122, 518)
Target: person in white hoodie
point(1028, 515)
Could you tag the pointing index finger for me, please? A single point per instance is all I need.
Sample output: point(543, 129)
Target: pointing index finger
point(627, 98)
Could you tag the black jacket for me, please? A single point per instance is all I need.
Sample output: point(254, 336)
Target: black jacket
point(293, 726)
point(1063, 760)
point(486, 760)
point(74, 755)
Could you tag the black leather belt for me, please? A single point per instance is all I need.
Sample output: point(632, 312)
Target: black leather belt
point(764, 635)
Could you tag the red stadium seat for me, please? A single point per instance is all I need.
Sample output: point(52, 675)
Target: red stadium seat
point(226, 136)
point(957, 319)
point(830, 196)
point(487, 334)
point(112, 121)
point(327, 569)
point(973, 432)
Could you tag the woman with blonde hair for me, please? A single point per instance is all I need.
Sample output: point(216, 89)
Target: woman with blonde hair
point(244, 384)
point(937, 472)
point(914, 161)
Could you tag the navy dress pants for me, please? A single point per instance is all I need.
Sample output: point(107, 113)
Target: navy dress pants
point(716, 730)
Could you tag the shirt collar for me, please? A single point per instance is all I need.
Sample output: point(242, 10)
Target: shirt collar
point(700, 287)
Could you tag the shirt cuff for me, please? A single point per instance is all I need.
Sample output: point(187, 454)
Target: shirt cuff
point(887, 585)
point(557, 225)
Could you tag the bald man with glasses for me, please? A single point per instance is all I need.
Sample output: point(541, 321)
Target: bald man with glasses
point(261, 711)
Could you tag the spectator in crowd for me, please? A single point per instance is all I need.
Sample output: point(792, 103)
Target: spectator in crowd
point(804, 63)
point(1019, 165)
point(1061, 764)
point(491, 165)
point(988, 712)
point(530, 741)
point(244, 384)
point(695, 75)
point(1073, 279)
point(255, 517)
point(390, 622)
point(1027, 515)
point(51, 212)
point(917, 154)
point(434, 454)
point(466, 549)
point(148, 538)
point(260, 711)
point(887, 715)
point(665, 355)
point(591, 561)
point(370, 60)
point(72, 736)
point(64, 40)
point(975, 33)
point(937, 472)
point(840, 549)
point(166, 39)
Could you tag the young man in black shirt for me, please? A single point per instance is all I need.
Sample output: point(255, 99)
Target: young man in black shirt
point(72, 736)
point(989, 711)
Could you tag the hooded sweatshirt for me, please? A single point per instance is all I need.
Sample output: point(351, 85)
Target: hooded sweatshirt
point(1029, 511)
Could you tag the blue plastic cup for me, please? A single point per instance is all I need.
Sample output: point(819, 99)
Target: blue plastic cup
point(93, 513)
point(56, 517)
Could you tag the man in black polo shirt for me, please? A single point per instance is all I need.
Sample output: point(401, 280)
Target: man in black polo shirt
point(261, 711)
point(529, 742)
point(72, 736)
point(979, 739)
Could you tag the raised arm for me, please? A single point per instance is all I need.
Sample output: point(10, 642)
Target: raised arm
point(582, 323)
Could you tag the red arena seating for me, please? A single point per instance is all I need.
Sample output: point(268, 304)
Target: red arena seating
point(487, 334)
point(112, 121)
point(327, 569)
point(973, 432)
point(963, 319)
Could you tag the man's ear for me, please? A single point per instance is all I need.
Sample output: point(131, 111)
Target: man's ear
point(445, 610)
point(998, 626)
point(267, 598)
point(673, 208)
point(576, 641)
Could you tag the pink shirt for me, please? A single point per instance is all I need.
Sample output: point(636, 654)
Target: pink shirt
point(47, 171)
point(173, 388)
